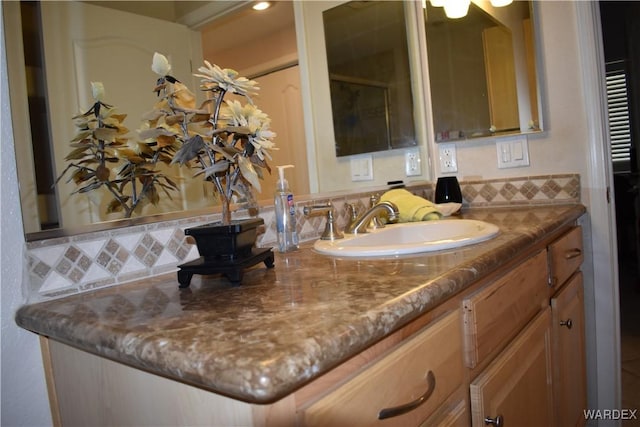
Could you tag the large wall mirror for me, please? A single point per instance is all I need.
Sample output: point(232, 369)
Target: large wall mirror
point(370, 78)
point(482, 71)
point(289, 61)
point(55, 49)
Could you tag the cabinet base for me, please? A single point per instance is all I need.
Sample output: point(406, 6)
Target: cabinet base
point(233, 268)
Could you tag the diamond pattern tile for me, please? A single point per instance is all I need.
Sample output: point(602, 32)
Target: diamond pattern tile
point(66, 265)
point(529, 189)
point(148, 250)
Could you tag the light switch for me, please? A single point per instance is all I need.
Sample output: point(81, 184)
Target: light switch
point(512, 153)
point(516, 150)
point(362, 168)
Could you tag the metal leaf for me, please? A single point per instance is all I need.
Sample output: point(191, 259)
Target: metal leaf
point(153, 133)
point(174, 119)
point(244, 130)
point(152, 115)
point(90, 187)
point(166, 140)
point(189, 150)
point(80, 136)
point(249, 173)
point(105, 134)
point(199, 117)
point(81, 175)
point(115, 206)
point(130, 155)
point(78, 153)
point(213, 169)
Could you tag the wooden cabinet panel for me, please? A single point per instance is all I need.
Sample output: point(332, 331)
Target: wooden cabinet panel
point(569, 382)
point(516, 386)
point(397, 379)
point(93, 391)
point(565, 256)
point(496, 313)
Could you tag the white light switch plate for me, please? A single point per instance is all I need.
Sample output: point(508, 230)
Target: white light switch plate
point(362, 168)
point(512, 153)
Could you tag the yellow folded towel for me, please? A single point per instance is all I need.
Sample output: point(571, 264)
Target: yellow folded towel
point(411, 207)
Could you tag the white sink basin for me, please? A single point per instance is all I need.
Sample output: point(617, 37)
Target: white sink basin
point(410, 238)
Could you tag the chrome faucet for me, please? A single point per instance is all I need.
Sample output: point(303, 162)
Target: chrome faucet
point(360, 224)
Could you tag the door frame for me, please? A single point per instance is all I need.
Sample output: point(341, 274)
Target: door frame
point(601, 284)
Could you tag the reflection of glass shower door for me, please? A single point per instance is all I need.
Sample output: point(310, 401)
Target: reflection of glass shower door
point(370, 78)
point(360, 116)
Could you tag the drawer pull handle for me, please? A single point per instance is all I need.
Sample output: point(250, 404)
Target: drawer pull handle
point(568, 323)
point(497, 421)
point(407, 407)
point(572, 253)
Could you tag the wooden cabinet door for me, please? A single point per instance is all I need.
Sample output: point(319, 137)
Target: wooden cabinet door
point(569, 382)
point(516, 386)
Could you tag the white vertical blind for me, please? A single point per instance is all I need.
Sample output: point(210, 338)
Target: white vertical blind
point(619, 122)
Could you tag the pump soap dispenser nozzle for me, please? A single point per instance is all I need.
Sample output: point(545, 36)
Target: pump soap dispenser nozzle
point(282, 183)
point(285, 213)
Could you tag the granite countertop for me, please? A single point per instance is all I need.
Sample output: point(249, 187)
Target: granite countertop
point(284, 326)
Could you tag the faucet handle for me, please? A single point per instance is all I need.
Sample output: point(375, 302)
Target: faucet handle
point(331, 232)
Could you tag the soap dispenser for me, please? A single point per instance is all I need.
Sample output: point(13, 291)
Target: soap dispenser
point(285, 214)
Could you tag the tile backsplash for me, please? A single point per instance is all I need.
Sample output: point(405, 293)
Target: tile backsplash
point(67, 265)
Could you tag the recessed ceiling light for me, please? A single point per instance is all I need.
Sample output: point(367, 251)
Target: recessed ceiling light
point(262, 5)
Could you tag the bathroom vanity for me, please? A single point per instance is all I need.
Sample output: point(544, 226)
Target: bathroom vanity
point(490, 333)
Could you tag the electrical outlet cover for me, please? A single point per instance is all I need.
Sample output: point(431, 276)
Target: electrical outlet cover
point(412, 162)
point(448, 161)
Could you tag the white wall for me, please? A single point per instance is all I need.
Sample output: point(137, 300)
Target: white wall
point(24, 399)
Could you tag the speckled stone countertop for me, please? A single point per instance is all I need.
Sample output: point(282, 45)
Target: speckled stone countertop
point(283, 326)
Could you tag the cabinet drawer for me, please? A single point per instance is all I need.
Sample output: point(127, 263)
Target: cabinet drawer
point(398, 378)
point(565, 256)
point(496, 313)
